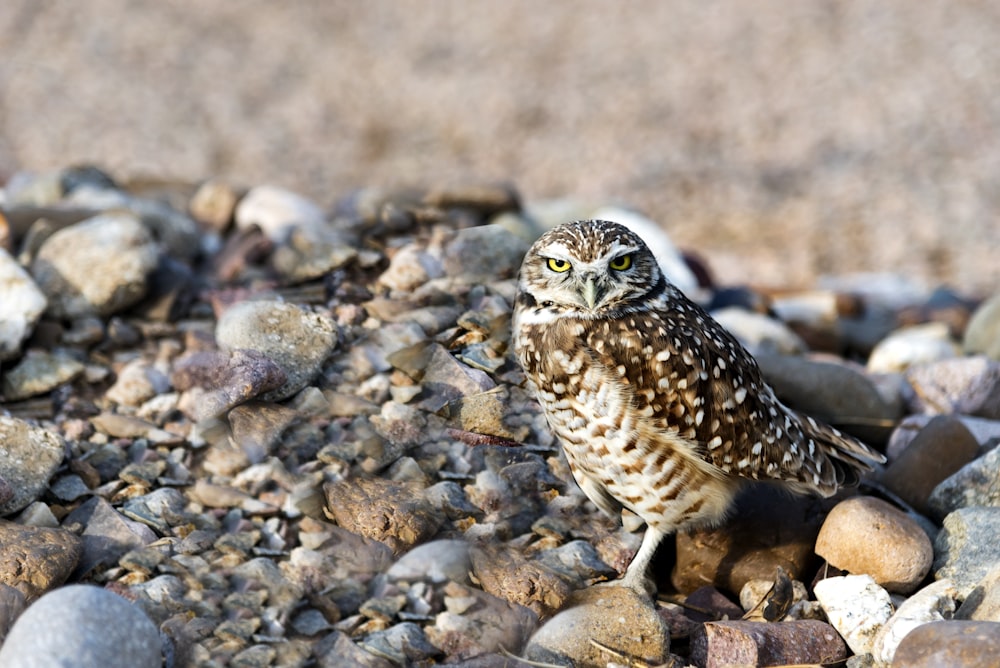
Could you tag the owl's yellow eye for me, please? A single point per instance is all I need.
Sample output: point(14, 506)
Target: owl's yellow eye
point(558, 266)
point(621, 263)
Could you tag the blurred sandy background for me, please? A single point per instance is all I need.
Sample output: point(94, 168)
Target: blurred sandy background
point(781, 140)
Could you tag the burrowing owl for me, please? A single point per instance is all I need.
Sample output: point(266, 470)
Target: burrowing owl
point(658, 408)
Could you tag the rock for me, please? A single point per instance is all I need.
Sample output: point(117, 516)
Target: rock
point(985, 432)
point(983, 602)
point(475, 623)
point(857, 607)
point(394, 513)
point(28, 458)
point(283, 592)
point(484, 253)
point(941, 448)
point(12, 604)
point(39, 372)
point(833, 393)
point(409, 268)
point(623, 622)
point(966, 550)
point(982, 334)
point(436, 561)
point(214, 204)
point(760, 334)
point(138, 382)
point(867, 535)
point(297, 340)
point(338, 651)
point(975, 484)
point(507, 574)
point(278, 212)
point(214, 381)
point(968, 385)
point(22, 305)
point(82, 625)
point(950, 643)
point(117, 243)
point(404, 644)
point(766, 529)
point(918, 344)
point(933, 603)
point(107, 535)
point(34, 560)
point(718, 644)
point(344, 556)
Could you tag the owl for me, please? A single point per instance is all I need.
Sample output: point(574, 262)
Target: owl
point(658, 408)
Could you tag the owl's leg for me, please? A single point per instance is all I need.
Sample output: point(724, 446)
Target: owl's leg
point(635, 575)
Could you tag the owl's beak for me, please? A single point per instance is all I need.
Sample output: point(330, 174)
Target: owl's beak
point(590, 292)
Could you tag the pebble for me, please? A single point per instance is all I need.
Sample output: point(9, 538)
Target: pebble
point(933, 603)
point(865, 535)
point(278, 212)
point(965, 385)
point(975, 484)
point(106, 537)
point(760, 334)
point(857, 607)
point(719, 644)
point(985, 432)
point(394, 513)
point(404, 644)
point(337, 650)
point(917, 344)
point(939, 449)
point(22, 305)
point(34, 560)
point(39, 372)
point(214, 204)
point(507, 574)
point(117, 243)
point(982, 334)
point(983, 602)
point(950, 643)
point(82, 625)
point(28, 457)
point(297, 340)
point(213, 382)
point(966, 549)
point(602, 625)
point(474, 623)
point(138, 382)
point(437, 561)
point(409, 268)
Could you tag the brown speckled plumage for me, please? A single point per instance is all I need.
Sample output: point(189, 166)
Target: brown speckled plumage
point(658, 408)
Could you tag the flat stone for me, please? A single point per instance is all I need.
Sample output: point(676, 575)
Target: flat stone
point(107, 535)
point(394, 513)
point(718, 644)
point(82, 625)
point(619, 619)
point(933, 603)
point(28, 458)
point(22, 305)
point(966, 549)
point(857, 607)
point(117, 243)
point(941, 448)
point(760, 334)
point(982, 334)
point(507, 574)
point(867, 535)
point(950, 643)
point(337, 650)
point(38, 372)
point(975, 484)
point(34, 560)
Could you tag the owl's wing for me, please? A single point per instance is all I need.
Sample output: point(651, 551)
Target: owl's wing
point(689, 376)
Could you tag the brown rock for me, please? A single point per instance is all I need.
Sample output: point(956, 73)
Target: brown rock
point(718, 644)
point(867, 535)
point(475, 623)
point(950, 643)
point(768, 528)
point(603, 625)
point(941, 448)
point(506, 573)
point(394, 513)
point(34, 560)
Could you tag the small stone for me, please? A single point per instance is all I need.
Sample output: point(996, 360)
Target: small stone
point(409, 268)
point(12, 604)
point(283, 592)
point(257, 427)
point(138, 382)
point(22, 305)
point(299, 341)
point(602, 625)
point(985, 432)
point(277, 212)
point(338, 651)
point(577, 562)
point(215, 381)
point(117, 243)
point(107, 535)
point(982, 334)
point(213, 204)
point(39, 372)
point(34, 560)
point(484, 253)
point(394, 513)
point(975, 484)
point(484, 624)
point(160, 509)
point(507, 574)
point(939, 449)
point(983, 602)
point(28, 458)
point(857, 607)
point(404, 644)
point(950, 643)
point(82, 625)
point(867, 535)
point(966, 385)
point(933, 603)
point(437, 561)
point(918, 344)
point(718, 644)
point(966, 549)
point(341, 557)
point(760, 334)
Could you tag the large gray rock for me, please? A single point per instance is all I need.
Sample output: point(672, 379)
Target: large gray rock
point(966, 550)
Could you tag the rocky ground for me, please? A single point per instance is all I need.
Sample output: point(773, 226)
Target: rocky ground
point(240, 429)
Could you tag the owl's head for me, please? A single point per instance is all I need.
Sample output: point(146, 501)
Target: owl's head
point(590, 268)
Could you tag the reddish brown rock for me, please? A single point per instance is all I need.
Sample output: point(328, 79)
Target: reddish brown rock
point(718, 644)
point(950, 643)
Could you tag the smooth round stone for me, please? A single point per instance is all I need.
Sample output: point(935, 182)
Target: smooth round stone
point(950, 643)
point(297, 340)
point(867, 535)
point(616, 617)
point(905, 347)
point(982, 334)
point(82, 625)
point(22, 305)
point(277, 212)
point(28, 458)
point(65, 266)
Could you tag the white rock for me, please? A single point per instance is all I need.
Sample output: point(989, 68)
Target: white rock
point(759, 333)
point(22, 304)
point(918, 344)
point(277, 211)
point(933, 603)
point(857, 607)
